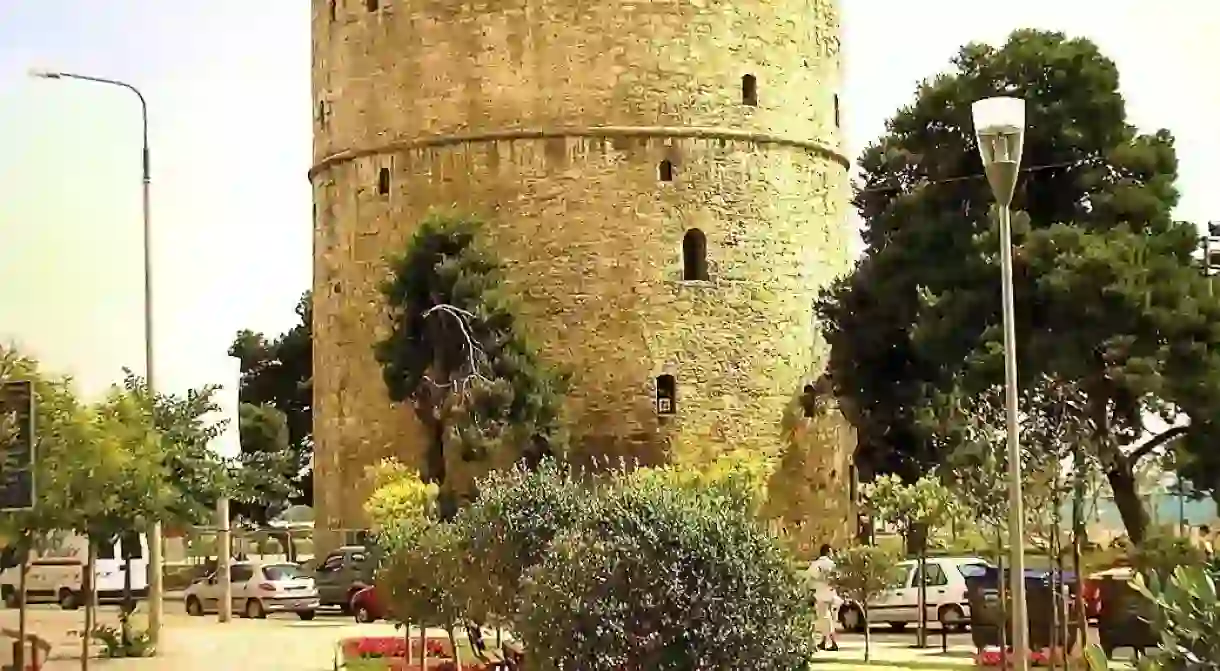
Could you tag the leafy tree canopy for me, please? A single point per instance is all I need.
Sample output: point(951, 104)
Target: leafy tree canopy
point(457, 354)
point(279, 373)
point(1107, 295)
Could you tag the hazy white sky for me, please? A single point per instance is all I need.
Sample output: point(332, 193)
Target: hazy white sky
point(228, 87)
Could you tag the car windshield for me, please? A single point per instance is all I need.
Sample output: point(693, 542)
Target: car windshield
point(283, 572)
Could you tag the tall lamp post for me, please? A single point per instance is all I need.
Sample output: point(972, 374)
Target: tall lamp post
point(999, 124)
point(155, 568)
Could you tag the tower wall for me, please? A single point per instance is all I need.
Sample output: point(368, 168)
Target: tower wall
point(550, 119)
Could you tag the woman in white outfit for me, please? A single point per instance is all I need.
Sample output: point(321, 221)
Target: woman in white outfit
point(824, 598)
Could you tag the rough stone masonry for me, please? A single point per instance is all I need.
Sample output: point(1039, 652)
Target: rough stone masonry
point(665, 182)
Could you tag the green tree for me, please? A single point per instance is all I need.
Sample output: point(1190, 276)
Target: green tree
point(456, 353)
point(199, 475)
point(917, 510)
point(1107, 295)
point(279, 372)
point(862, 574)
point(266, 467)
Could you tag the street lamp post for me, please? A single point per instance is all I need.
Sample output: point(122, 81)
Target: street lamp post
point(155, 568)
point(999, 124)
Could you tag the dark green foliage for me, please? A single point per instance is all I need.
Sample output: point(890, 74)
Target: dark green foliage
point(666, 578)
point(446, 294)
point(266, 468)
point(1107, 296)
point(279, 373)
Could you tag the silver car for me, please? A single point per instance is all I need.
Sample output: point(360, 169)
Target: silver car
point(258, 589)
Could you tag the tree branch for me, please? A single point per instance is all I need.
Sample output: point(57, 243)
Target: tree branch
point(474, 353)
point(1155, 442)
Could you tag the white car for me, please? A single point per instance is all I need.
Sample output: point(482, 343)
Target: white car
point(946, 596)
point(258, 589)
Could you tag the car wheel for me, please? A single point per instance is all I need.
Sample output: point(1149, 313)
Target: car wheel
point(306, 615)
point(363, 614)
point(68, 599)
point(952, 617)
point(851, 618)
point(194, 607)
point(254, 609)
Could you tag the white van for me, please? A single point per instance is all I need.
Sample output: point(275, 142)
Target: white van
point(58, 563)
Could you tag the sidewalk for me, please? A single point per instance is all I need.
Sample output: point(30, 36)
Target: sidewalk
point(887, 656)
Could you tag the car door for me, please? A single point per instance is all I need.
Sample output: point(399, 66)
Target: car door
point(888, 607)
point(354, 571)
point(937, 582)
point(240, 575)
point(208, 592)
point(905, 602)
point(328, 577)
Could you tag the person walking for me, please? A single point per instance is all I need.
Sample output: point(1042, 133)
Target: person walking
point(824, 598)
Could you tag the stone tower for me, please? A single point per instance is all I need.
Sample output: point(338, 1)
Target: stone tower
point(664, 180)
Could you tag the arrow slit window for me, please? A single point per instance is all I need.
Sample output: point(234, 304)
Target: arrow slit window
point(667, 395)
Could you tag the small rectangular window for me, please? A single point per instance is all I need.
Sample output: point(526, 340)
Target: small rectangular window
point(383, 182)
point(749, 90)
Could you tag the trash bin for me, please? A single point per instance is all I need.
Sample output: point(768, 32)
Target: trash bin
point(1125, 617)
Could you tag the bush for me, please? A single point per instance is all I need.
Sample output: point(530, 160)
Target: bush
point(510, 528)
point(1160, 554)
point(666, 578)
point(424, 581)
point(1187, 619)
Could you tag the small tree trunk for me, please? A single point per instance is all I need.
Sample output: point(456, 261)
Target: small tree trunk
point(89, 587)
point(22, 573)
point(867, 627)
point(406, 628)
point(1082, 619)
point(457, 650)
point(1003, 594)
point(423, 646)
point(922, 638)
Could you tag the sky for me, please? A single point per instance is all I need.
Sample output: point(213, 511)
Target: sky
point(227, 83)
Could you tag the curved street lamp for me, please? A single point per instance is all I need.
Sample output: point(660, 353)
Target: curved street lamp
point(999, 124)
point(156, 570)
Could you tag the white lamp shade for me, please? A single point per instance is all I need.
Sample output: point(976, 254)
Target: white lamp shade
point(999, 115)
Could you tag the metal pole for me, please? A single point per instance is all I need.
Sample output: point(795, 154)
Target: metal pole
point(1016, 526)
point(224, 609)
point(156, 570)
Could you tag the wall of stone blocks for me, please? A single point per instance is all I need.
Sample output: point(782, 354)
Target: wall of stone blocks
point(550, 119)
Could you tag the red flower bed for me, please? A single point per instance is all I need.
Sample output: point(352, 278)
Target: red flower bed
point(393, 651)
point(369, 647)
point(992, 657)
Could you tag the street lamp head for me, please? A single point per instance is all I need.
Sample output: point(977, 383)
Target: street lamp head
point(999, 125)
point(43, 73)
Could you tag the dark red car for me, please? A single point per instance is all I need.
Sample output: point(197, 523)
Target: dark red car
point(366, 607)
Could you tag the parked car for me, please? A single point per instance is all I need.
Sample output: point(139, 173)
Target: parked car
point(367, 606)
point(258, 589)
point(899, 607)
point(342, 573)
